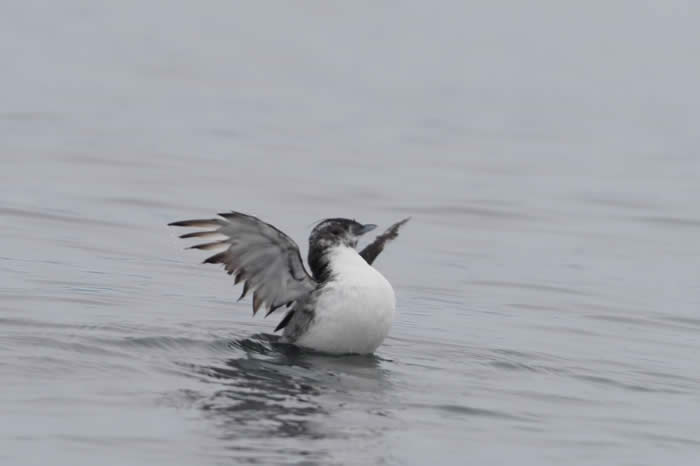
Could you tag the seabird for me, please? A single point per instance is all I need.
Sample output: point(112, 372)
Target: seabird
point(344, 306)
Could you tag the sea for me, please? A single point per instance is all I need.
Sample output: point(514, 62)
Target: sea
point(548, 296)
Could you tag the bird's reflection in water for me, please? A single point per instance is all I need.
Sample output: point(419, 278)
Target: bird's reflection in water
point(274, 390)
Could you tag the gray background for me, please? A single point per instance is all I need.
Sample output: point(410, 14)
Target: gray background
point(547, 285)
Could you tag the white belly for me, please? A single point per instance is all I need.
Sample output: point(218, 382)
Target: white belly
point(354, 311)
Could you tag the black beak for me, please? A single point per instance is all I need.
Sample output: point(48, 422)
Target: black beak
point(365, 229)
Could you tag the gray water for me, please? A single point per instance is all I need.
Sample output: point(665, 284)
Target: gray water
point(547, 286)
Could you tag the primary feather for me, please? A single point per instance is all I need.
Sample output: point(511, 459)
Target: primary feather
point(260, 255)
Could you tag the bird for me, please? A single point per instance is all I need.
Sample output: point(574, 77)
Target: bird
point(344, 306)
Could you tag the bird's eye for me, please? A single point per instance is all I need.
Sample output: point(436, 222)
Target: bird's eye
point(336, 231)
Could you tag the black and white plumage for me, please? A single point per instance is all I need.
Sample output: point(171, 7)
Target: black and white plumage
point(344, 306)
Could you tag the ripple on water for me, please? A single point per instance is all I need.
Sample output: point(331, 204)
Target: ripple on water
point(671, 222)
point(482, 412)
point(266, 389)
point(54, 217)
point(614, 383)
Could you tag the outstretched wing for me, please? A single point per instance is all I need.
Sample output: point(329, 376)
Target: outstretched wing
point(372, 250)
point(265, 259)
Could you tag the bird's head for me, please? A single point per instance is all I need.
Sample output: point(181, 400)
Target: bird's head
point(337, 232)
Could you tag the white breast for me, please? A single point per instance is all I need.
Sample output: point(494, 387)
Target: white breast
point(355, 309)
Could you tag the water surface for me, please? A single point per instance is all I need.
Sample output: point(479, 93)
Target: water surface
point(547, 285)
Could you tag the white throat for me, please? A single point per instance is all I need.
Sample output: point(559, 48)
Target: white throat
point(345, 262)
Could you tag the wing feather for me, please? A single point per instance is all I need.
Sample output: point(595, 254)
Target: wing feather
point(372, 250)
point(261, 256)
